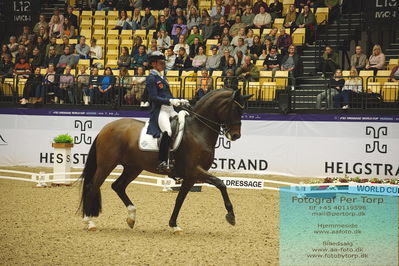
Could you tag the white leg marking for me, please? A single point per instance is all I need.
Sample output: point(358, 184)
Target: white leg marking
point(131, 216)
point(91, 226)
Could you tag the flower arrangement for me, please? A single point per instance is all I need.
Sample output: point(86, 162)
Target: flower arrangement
point(347, 179)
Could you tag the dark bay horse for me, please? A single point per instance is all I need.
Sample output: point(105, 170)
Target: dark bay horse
point(117, 143)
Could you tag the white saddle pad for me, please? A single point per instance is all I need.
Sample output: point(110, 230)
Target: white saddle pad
point(149, 143)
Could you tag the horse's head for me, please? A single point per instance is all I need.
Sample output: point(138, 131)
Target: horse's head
point(231, 116)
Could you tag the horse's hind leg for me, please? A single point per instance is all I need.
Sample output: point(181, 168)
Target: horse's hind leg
point(119, 186)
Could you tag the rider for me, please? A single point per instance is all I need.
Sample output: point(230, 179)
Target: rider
point(162, 103)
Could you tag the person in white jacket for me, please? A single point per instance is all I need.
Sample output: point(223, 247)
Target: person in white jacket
point(352, 86)
point(263, 19)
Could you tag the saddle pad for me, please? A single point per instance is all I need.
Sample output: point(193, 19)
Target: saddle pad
point(149, 143)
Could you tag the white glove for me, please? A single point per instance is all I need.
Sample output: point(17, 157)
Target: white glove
point(174, 102)
point(184, 102)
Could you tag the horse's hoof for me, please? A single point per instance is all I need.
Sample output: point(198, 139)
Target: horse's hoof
point(231, 219)
point(91, 226)
point(177, 230)
point(130, 222)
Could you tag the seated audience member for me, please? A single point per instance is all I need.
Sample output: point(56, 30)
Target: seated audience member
point(272, 36)
point(249, 40)
point(67, 87)
point(307, 20)
point(124, 85)
point(248, 17)
point(394, 76)
point(140, 59)
point(216, 17)
point(199, 60)
point(213, 61)
point(248, 70)
point(164, 24)
point(257, 5)
point(336, 85)
point(72, 17)
point(239, 58)
point(138, 87)
point(263, 19)
point(6, 67)
point(216, 7)
point(65, 42)
point(359, 59)
point(208, 29)
point(193, 19)
point(148, 21)
point(232, 14)
point(300, 4)
point(4, 51)
point(225, 34)
point(182, 26)
point(376, 60)
point(13, 46)
point(231, 64)
point(52, 57)
point(124, 59)
point(225, 46)
point(182, 44)
point(183, 61)
point(42, 23)
point(330, 61)
point(53, 43)
point(272, 61)
point(123, 21)
point(22, 68)
point(57, 28)
point(136, 19)
point(152, 47)
point(29, 36)
point(36, 59)
point(194, 34)
point(239, 34)
point(219, 27)
point(82, 49)
point(40, 44)
point(352, 86)
point(240, 47)
point(50, 87)
point(44, 34)
point(22, 52)
point(194, 48)
point(104, 92)
point(163, 41)
point(284, 41)
point(31, 86)
point(94, 84)
point(170, 59)
point(175, 38)
point(137, 42)
point(276, 9)
point(67, 59)
point(224, 59)
point(230, 81)
point(292, 63)
point(96, 51)
point(82, 86)
point(257, 48)
point(204, 85)
point(68, 28)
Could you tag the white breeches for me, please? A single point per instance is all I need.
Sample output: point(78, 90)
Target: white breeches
point(166, 112)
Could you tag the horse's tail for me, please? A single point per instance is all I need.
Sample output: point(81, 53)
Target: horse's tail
point(90, 203)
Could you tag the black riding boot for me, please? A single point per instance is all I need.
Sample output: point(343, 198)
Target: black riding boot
point(164, 152)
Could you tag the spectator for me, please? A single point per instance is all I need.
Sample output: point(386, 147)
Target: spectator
point(53, 42)
point(307, 20)
point(242, 5)
point(258, 4)
point(290, 17)
point(188, 7)
point(6, 67)
point(219, 27)
point(30, 36)
point(239, 58)
point(56, 28)
point(208, 29)
point(173, 8)
point(257, 48)
point(36, 59)
point(181, 25)
point(248, 70)
point(333, 9)
point(13, 46)
point(4, 51)
point(276, 9)
point(233, 14)
point(43, 34)
point(68, 28)
point(124, 59)
point(71, 17)
point(240, 47)
point(237, 26)
point(21, 53)
point(94, 84)
point(194, 48)
point(65, 43)
point(170, 59)
point(300, 4)
point(175, 38)
point(335, 88)
point(22, 68)
point(240, 34)
point(248, 17)
point(199, 61)
point(52, 57)
point(96, 51)
point(153, 47)
point(105, 90)
point(164, 24)
point(57, 16)
point(284, 41)
point(82, 49)
point(140, 59)
point(230, 81)
point(82, 81)
point(193, 19)
point(226, 46)
point(262, 19)
point(231, 65)
point(106, 5)
point(225, 34)
point(135, 22)
point(123, 21)
point(224, 60)
point(148, 21)
point(42, 23)
point(138, 86)
point(214, 9)
point(182, 44)
point(218, 15)
point(66, 87)
point(194, 34)
point(376, 60)
point(359, 59)
point(249, 40)
point(352, 86)
point(204, 85)
point(163, 41)
point(213, 61)
point(183, 61)
point(292, 62)
point(204, 15)
point(137, 42)
point(394, 76)
point(41, 46)
point(272, 61)
point(67, 59)
point(179, 14)
point(330, 60)
point(272, 36)
point(26, 43)
point(31, 86)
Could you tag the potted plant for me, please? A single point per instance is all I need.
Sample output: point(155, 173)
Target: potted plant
point(62, 141)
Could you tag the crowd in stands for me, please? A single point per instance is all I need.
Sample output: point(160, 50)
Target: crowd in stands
point(241, 33)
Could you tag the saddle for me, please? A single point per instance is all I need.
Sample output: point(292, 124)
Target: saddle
point(149, 143)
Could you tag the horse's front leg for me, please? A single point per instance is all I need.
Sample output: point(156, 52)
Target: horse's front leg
point(217, 182)
point(184, 189)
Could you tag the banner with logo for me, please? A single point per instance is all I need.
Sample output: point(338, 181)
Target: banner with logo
point(382, 12)
point(293, 145)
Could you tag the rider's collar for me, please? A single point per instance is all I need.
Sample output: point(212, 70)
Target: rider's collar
point(156, 72)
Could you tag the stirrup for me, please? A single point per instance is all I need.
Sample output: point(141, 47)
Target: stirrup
point(164, 167)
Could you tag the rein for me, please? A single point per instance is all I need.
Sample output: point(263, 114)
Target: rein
point(205, 121)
